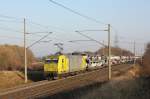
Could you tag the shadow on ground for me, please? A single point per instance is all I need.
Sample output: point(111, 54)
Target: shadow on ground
point(138, 88)
point(35, 75)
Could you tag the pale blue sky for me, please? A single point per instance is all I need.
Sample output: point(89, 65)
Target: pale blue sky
point(129, 17)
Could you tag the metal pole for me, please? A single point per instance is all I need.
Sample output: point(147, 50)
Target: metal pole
point(104, 48)
point(134, 53)
point(109, 52)
point(25, 53)
point(141, 55)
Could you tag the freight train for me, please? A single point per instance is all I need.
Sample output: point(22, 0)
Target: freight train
point(57, 66)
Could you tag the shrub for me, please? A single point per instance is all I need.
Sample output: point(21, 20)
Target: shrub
point(115, 51)
point(146, 60)
point(12, 57)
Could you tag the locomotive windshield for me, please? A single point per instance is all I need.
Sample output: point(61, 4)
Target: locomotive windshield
point(51, 61)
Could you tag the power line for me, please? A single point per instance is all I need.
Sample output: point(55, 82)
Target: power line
point(19, 20)
point(15, 19)
point(39, 40)
point(12, 30)
point(93, 30)
point(46, 26)
point(90, 38)
point(11, 37)
point(10, 17)
point(19, 38)
point(14, 37)
point(77, 13)
point(9, 29)
point(79, 40)
point(37, 24)
point(12, 21)
point(6, 18)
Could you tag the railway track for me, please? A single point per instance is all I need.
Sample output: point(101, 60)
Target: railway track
point(46, 88)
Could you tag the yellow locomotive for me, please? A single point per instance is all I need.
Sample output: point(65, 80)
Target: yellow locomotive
point(60, 65)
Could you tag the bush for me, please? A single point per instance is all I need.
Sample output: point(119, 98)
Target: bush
point(115, 51)
point(146, 60)
point(12, 57)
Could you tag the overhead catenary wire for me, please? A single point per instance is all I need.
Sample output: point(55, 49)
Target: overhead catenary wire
point(18, 38)
point(39, 40)
point(10, 37)
point(46, 26)
point(92, 30)
point(9, 17)
point(90, 38)
point(31, 22)
point(79, 40)
point(15, 19)
point(9, 29)
point(38, 34)
point(77, 13)
point(10, 21)
point(5, 18)
point(19, 20)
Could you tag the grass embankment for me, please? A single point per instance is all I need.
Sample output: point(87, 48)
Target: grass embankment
point(10, 79)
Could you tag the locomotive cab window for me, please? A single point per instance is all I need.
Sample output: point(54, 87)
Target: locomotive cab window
point(51, 61)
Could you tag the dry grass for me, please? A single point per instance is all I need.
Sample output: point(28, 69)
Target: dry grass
point(10, 79)
point(146, 61)
point(12, 57)
point(135, 71)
